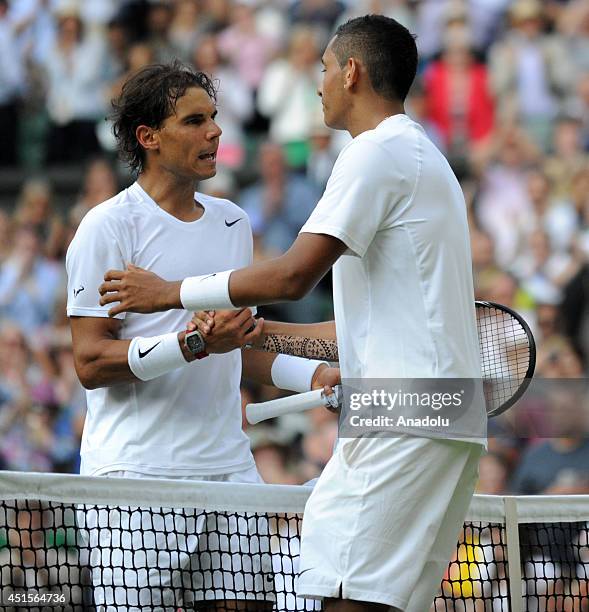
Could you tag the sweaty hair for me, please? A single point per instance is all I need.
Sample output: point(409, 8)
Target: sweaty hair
point(385, 47)
point(149, 97)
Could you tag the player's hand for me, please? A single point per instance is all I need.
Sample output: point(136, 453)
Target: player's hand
point(138, 290)
point(204, 321)
point(230, 329)
point(326, 378)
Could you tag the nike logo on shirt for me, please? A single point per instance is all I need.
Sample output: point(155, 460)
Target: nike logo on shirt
point(229, 224)
point(78, 291)
point(142, 354)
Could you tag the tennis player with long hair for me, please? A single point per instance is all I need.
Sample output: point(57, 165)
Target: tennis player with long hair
point(381, 523)
point(160, 405)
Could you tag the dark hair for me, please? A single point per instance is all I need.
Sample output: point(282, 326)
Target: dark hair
point(148, 98)
point(385, 47)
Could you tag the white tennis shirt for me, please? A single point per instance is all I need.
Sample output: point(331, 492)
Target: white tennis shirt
point(186, 422)
point(403, 291)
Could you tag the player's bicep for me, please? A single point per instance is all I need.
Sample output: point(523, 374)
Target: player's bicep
point(89, 335)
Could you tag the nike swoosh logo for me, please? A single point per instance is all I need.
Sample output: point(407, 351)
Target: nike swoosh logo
point(232, 222)
point(78, 291)
point(209, 276)
point(142, 354)
point(305, 570)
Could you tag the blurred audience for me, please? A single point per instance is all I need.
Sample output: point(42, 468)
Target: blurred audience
point(503, 90)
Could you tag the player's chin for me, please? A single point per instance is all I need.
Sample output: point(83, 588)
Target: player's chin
point(329, 120)
point(207, 171)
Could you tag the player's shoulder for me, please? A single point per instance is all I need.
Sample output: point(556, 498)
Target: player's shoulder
point(110, 212)
point(221, 207)
point(396, 142)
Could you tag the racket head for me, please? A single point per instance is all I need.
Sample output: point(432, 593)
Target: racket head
point(508, 355)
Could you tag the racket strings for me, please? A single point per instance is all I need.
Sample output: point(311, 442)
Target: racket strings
point(505, 354)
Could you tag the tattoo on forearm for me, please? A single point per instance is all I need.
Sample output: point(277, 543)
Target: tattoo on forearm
point(312, 348)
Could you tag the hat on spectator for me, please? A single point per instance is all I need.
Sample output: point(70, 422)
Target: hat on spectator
point(522, 10)
point(455, 10)
point(66, 8)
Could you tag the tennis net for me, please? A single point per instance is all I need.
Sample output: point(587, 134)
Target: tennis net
point(76, 543)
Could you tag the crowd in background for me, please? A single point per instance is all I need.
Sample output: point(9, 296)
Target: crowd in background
point(502, 89)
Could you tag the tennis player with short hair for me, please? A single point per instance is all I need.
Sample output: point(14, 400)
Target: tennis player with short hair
point(159, 405)
point(382, 521)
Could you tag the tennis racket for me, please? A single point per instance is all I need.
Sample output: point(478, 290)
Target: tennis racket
point(508, 360)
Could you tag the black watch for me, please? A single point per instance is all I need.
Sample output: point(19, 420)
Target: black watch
point(196, 344)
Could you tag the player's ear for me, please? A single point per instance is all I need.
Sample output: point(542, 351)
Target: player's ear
point(351, 73)
point(147, 137)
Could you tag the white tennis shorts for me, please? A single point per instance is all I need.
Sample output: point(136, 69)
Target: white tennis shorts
point(384, 518)
point(159, 559)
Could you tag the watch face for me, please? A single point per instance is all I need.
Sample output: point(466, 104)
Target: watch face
point(195, 343)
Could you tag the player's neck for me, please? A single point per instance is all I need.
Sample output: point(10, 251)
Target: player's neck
point(360, 120)
point(173, 195)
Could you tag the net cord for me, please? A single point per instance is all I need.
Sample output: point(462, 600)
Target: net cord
point(263, 498)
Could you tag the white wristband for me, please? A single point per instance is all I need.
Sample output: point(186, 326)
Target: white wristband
point(207, 292)
point(151, 357)
point(294, 373)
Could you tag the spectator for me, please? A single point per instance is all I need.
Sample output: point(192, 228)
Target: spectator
point(34, 209)
point(529, 72)
point(493, 474)
point(11, 87)
point(458, 100)
point(159, 22)
point(29, 283)
point(503, 207)
point(75, 90)
point(323, 153)
point(186, 28)
point(559, 465)
point(5, 236)
point(568, 157)
point(245, 46)
point(288, 95)
point(98, 184)
point(279, 203)
point(395, 9)
point(578, 106)
point(321, 13)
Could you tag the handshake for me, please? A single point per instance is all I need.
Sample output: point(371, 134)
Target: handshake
point(227, 330)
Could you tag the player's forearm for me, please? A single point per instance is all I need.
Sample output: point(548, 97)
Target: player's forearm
point(282, 371)
point(324, 330)
point(257, 366)
point(285, 278)
point(283, 281)
point(105, 363)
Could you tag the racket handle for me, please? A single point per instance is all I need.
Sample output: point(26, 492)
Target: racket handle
point(285, 405)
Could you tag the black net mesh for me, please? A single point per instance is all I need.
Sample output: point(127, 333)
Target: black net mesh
point(476, 578)
point(69, 557)
point(555, 566)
